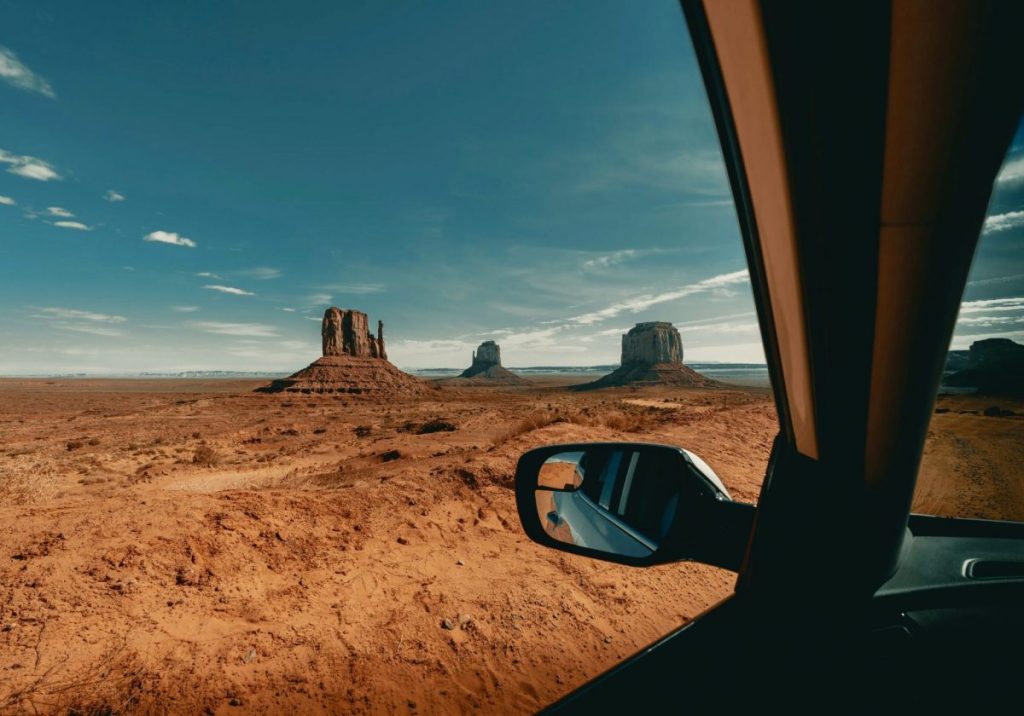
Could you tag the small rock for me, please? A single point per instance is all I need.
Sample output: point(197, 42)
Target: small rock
point(249, 655)
point(280, 537)
point(607, 640)
point(460, 563)
point(235, 702)
point(447, 624)
point(465, 620)
point(402, 540)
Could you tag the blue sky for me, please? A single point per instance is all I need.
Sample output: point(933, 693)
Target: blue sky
point(188, 185)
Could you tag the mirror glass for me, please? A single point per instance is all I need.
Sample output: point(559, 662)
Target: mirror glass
point(616, 499)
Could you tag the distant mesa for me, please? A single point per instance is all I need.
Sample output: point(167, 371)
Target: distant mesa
point(993, 366)
point(652, 354)
point(354, 361)
point(487, 368)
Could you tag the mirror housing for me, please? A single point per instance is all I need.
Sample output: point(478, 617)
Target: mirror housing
point(638, 504)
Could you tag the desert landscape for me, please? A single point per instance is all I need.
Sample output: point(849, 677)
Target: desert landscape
point(206, 546)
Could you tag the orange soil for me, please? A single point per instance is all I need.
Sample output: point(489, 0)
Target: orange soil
point(188, 546)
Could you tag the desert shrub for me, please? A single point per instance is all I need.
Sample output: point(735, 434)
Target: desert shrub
point(320, 430)
point(94, 441)
point(390, 455)
point(437, 425)
point(625, 422)
point(536, 421)
point(206, 456)
point(74, 444)
point(362, 431)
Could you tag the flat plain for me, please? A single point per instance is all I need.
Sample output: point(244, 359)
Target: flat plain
point(191, 546)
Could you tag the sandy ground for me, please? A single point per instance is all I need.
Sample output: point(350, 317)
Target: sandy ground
point(188, 546)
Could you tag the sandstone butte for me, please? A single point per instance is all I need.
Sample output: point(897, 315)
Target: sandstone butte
point(354, 361)
point(486, 368)
point(652, 354)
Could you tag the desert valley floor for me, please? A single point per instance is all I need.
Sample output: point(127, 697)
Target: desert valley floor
point(190, 546)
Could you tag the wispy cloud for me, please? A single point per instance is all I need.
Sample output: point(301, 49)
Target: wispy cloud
point(615, 257)
point(208, 274)
point(28, 167)
point(93, 330)
point(7, 201)
point(288, 310)
point(358, 289)
point(185, 309)
point(989, 321)
point(996, 279)
point(1012, 171)
point(229, 289)
point(14, 72)
point(169, 237)
point(76, 314)
point(113, 196)
point(319, 299)
point(58, 211)
point(1003, 222)
point(260, 273)
point(255, 330)
point(642, 302)
point(993, 304)
point(78, 225)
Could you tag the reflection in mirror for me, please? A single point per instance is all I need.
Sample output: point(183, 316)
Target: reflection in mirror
point(620, 500)
point(563, 471)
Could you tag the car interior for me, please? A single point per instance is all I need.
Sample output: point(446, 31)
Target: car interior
point(863, 141)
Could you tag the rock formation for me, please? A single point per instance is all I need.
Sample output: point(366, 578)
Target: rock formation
point(487, 368)
point(652, 354)
point(993, 366)
point(354, 361)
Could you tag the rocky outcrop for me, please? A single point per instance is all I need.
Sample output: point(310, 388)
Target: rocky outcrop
point(347, 333)
point(993, 366)
point(651, 344)
point(652, 354)
point(486, 367)
point(354, 361)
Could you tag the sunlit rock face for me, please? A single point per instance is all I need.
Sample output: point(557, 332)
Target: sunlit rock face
point(652, 354)
point(488, 354)
point(652, 343)
point(354, 362)
point(346, 332)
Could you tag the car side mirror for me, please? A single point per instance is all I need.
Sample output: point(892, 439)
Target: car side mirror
point(632, 503)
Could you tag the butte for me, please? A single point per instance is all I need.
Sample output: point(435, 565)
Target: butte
point(354, 361)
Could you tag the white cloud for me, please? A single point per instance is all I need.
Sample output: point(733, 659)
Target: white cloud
point(639, 303)
point(260, 273)
point(14, 72)
point(615, 257)
point(78, 225)
point(993, 304)
point(28, 167)
point(356, 289)
point(996, 279)
point(1012, 171)
point(75, 314)
point(93, 330)
point(319, 299)
point(256, 330)
point(208, 274)
point(987, 321)
point(185, 309)
point(229, 289)
point(169, 237)
point(288, 310)
point(7, 201)
point(112, 196)
point(58, 211)
point(1003, 222)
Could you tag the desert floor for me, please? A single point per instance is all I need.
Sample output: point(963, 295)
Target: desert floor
point(189, 546)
